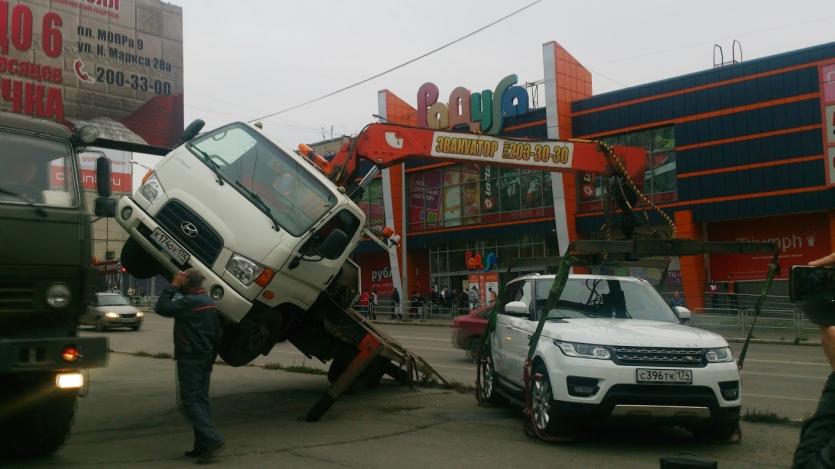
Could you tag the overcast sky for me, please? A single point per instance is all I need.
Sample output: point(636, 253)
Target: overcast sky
point(247, 58)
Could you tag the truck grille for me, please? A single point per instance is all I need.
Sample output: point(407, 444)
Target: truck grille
point(658, 356)
point(127, 315)
point(16, 296)
point(205, 244)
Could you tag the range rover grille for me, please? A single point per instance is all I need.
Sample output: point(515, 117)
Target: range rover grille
point(658, 356)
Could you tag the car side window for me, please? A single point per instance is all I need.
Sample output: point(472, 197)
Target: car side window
point(509, 293)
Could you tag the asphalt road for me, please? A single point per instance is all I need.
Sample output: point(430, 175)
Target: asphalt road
point(129, 419)
point(783, 379)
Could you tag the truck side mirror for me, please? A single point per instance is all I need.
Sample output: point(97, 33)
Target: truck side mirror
point(105, 206)
point(192, 130)
point(103, 176)
point(334, 244)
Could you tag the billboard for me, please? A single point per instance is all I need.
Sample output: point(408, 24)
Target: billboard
point(121, 174)
point(801, 238)
point(115, 64)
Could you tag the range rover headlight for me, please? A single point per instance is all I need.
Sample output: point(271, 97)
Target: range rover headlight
point(719, 355)
point(58, 295)
point(574, 349)
point(151, 189)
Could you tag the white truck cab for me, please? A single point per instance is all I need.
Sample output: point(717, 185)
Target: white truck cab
point(263, 225)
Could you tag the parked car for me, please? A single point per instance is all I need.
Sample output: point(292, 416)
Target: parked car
point(611, 348)
point(468, 329)
point(109, 310)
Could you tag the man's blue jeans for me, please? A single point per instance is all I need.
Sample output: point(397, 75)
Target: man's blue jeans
point(193, 377)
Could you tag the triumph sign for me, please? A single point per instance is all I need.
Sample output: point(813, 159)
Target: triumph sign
point(115, 64)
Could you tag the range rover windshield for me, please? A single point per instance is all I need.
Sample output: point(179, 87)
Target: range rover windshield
point(605, 298)
point(266, 175)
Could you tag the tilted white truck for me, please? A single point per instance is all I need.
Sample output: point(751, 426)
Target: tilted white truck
point(272, 230)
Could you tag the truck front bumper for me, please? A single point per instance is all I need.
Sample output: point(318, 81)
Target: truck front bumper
point(44, 354)
point(233, 306)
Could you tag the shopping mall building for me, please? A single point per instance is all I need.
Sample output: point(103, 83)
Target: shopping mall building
point(737, 152)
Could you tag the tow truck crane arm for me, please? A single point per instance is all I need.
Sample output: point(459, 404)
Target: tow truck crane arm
point(385, 145)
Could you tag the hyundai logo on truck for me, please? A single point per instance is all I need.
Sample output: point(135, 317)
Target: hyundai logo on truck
point(189, 229)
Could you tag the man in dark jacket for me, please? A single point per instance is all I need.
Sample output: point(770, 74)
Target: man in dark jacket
point(816, 448)
point(196, 336)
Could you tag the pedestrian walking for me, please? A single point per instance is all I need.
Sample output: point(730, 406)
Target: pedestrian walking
point(395, 298)
point(362, 303)
point(196, 336)
point(474, 297)
point(372, 305)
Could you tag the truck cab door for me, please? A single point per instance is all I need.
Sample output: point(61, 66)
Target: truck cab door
point(318, 259)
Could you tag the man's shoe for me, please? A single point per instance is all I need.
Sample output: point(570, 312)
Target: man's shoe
point(208, 456)
point(194, 453)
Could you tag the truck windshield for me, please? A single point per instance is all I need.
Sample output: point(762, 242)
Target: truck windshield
point(36, 171)
point(605, 298)
point(296, 199)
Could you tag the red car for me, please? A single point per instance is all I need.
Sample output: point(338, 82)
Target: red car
point(468, 330)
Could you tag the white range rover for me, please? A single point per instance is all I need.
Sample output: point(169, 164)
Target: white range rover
point(612, 348)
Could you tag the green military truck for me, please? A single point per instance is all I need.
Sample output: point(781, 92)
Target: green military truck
point(45, 280)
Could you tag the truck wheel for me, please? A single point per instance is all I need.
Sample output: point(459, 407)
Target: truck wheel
point(544, 414)
point(137, 262)
point(100, 326)
point(43, 425)
point(243, 342)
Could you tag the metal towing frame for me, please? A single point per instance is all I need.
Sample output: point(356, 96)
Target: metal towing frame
point(610, 252)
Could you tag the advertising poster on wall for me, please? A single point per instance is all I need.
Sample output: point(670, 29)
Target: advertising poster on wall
point(115, 64)
point(432, 198)
point(452, 197)
point(489, 189)
point(509, 193)
point(424, 199)
point(470, 194)
point(121, 179)
point(487, 284)
point(376, 273)
point(801, 238)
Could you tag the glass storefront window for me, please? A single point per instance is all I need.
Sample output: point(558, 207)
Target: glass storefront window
point(659, 179)
point(470, 194)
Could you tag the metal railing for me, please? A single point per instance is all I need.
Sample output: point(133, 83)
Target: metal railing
point(789, 324)
point(410, 310)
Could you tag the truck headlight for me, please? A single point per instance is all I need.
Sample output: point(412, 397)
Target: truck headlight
point(151, 189)
point(573, 349)
point(719, 355)
point(248, 271)
point(58, 295)
point(111, 315)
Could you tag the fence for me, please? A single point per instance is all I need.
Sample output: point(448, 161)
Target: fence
point(411, 310)
point(776, 324)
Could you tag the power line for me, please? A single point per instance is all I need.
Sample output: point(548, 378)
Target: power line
point(366, 80)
